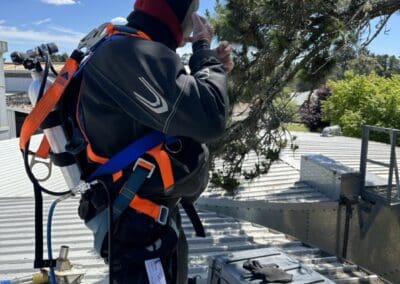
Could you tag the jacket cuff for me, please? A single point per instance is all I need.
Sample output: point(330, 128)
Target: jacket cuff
point(201, 59)
point(200, 45)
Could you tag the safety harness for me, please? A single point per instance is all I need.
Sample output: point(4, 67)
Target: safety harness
point(151, 144)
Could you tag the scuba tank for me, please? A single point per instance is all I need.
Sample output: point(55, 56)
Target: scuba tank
point(45, 115)
point(55, 135)
point(53, 131)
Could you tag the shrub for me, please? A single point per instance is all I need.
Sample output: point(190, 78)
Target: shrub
point(360, 99)
point(311, 110)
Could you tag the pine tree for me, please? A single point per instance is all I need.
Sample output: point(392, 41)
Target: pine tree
point(275, 41)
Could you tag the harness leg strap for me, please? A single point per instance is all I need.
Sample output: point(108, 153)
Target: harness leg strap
point(141, 171)
point(194, 218)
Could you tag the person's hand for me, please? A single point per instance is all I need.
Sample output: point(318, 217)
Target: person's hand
point(202, 29)
point(224, 54)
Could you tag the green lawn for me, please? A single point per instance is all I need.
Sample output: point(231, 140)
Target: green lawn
point(297, 127)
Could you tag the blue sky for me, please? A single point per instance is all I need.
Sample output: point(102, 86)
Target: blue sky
point(28, 23)
point(25, 24)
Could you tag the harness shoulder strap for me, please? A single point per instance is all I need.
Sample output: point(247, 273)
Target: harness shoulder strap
point(50, 99)
point(44, 149)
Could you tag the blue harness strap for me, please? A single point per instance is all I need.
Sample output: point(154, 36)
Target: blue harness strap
point(131, 154)
point(99, 224)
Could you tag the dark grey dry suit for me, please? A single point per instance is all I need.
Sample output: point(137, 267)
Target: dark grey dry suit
point(130, 87)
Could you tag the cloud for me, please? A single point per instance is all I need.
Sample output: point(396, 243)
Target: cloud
point(41, 22)
point(67, 31)
point(2, 21)
point(14, 34)
point(60, 2)
point(119, 21)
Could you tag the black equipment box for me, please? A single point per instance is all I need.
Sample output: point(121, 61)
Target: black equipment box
point(228, 269)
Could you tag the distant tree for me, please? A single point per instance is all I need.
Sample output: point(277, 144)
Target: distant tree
point(59, 57)
point(275, 40)
point(390, 65)
point(363, 62)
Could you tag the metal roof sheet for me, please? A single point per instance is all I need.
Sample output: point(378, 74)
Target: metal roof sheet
point(14, 181)
point(282, 181)
point(224, 234)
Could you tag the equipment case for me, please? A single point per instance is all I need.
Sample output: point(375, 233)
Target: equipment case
point(228, 269)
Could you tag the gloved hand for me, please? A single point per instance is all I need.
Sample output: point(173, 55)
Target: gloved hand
point(202, 29)
point(224, 54)
point(268, 273)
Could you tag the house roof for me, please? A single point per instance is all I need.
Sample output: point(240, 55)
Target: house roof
point(300, 97)
point(224, 234)
point(18, 101)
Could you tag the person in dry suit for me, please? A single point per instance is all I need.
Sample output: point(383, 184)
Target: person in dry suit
point(135, 83)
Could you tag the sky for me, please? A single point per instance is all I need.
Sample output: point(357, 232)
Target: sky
point(25, 24)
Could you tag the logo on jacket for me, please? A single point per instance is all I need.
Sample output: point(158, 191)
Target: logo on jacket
point(158, 105)
point(203, 74)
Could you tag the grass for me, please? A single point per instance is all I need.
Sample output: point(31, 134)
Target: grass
point(297, 127)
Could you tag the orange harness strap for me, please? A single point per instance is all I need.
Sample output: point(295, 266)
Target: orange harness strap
point(145, 206)
point(44, 149)
point(110, 30)
point(94, 157)
point(47, 103)
point(164, 164)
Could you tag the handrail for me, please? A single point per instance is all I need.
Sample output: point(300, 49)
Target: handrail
point(393, 168)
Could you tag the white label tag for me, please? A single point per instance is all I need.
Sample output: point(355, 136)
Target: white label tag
point(155, 271)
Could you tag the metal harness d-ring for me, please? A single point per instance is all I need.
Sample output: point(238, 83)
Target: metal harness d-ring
point(34, 161)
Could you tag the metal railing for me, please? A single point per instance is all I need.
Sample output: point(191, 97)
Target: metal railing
point(378, 193)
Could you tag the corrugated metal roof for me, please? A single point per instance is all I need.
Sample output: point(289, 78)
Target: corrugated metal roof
point(282, 181)
point(224, 234)
point(14, 181)
point(342, 149)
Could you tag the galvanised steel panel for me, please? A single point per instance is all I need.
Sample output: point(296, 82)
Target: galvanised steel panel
point(323, 224)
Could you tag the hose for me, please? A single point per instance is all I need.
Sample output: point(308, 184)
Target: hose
point(45, 75)
point(26, 152)
point(53, 279)
point(55, 73)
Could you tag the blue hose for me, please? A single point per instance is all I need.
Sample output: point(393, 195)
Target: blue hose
point(53, 279)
